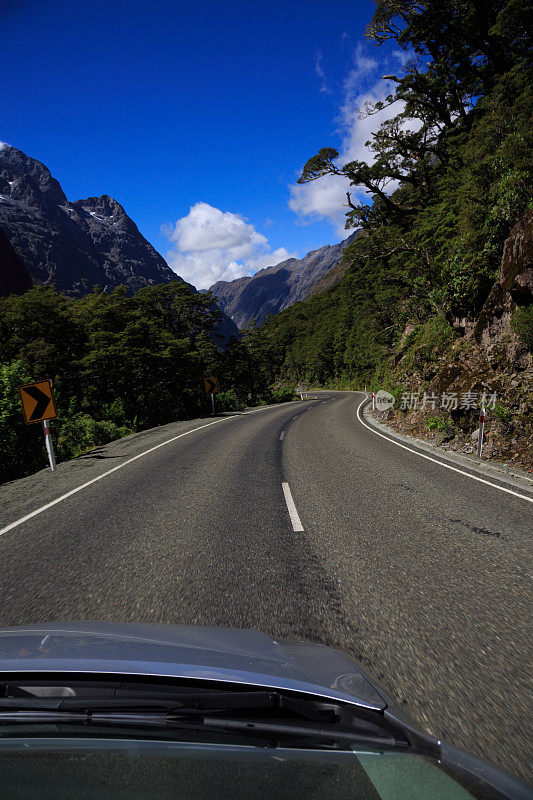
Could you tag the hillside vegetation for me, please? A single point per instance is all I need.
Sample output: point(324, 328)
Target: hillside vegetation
point(418, 280)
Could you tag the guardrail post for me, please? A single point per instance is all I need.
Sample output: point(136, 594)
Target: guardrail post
point(481, 430)
point(49, 445)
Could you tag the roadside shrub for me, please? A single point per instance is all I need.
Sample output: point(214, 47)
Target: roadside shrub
point(80, 433)
point(115, 412)
point(427, 341)
point(438, 333)
point(436, 423)
point(381, 385)
point(226, 401)
point(282, 395)
point(502, 412)
point(21, 445)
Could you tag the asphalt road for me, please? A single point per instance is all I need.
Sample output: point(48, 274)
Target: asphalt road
point(418, 572)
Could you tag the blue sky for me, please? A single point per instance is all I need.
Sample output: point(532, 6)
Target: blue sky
point(204, 105)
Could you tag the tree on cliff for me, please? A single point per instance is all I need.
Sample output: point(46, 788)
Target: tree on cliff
point(458, 50)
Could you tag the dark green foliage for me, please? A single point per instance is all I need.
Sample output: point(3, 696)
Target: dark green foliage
point(118, 364)
point(151, 350)
point(488, 191)
point(247, 365)
point(21, 445)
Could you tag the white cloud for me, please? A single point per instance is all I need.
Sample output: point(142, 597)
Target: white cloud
point(324, 88)
point(320, 199)
point(210, 245)
point(270, 259)
point(325, 198)
point(364, 67)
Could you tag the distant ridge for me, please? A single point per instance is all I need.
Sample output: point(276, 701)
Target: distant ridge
point(275, 288)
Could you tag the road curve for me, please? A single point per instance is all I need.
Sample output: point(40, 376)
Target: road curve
point(418, 572)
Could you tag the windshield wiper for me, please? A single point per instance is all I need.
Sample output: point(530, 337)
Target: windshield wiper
point(362, 733)
point(270, 713)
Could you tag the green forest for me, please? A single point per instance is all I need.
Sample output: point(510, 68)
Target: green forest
point(118, 364)
point(459, 153)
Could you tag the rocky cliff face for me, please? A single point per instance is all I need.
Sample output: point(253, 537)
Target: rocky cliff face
point(512, 290)
point(14, 277)
point(73, 246)
point(489, 358)
point(275, 288)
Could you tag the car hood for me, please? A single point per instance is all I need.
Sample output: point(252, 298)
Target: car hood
point(208, 654)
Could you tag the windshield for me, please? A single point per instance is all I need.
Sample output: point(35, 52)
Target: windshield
point(186, 773)
point(266, 379)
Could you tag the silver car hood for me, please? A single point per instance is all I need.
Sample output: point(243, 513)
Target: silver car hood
point(208, 654)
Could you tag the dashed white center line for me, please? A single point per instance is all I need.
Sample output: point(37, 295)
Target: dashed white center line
point(282, 434)
point(293, 514)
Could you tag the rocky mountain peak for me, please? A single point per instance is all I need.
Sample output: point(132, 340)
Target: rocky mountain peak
point(77, 245)
point(107, 210)
point(27, 180)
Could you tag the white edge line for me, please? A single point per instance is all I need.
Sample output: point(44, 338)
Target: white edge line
point(293, 514)
point(114, 469)
point(282, 434)
point(436, 461)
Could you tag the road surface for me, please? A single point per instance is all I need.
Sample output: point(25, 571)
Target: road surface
point(415, 570)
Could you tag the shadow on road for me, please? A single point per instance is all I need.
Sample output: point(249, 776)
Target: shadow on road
point(96, 454)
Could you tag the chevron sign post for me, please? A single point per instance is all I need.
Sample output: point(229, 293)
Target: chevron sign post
point(211, 387)
point(38, 405)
